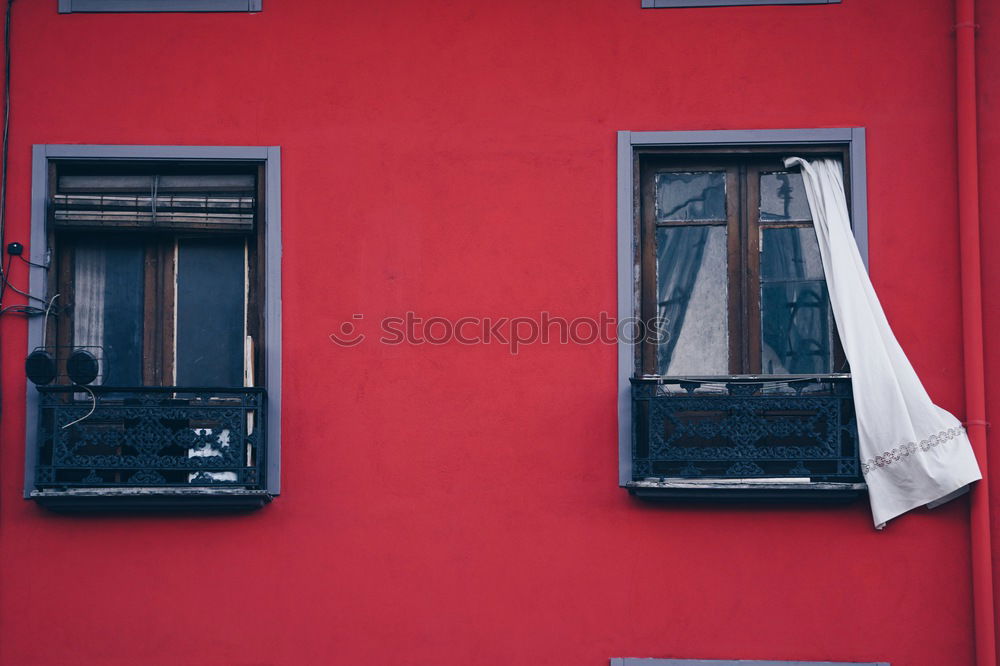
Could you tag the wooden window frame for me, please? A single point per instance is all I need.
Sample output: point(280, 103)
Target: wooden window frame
point(743, 167)
point(159, 276)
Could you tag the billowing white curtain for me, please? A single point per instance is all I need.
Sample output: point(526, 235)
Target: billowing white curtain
point(913, 452)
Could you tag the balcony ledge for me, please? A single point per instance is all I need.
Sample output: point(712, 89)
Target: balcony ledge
point(152, 498)
point(744, 490)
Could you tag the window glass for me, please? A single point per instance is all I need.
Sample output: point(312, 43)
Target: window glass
point(692, 296)
point(783, 197)
point(732, 279)
point(691, 196)
point(210, 311)
point(796, 326)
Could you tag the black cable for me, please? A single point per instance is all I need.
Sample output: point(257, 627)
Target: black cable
point(4, 150)
point(26, 294)
point(26, 310)
point(3, 278)
point(6, 283)
point(31, 263)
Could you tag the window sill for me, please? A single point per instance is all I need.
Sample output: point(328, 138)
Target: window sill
point(152, 498)
point(743, 490)
point(144, 6)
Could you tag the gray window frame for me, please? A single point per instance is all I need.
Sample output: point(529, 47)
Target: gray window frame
point(634, 661)
point(628, 302)
point(139, 6)
point(670, 4)
point(270, 157)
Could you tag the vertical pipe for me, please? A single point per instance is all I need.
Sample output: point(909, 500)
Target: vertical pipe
point(972, 326)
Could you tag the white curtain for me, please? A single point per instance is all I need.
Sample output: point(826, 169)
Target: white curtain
point(912, 452)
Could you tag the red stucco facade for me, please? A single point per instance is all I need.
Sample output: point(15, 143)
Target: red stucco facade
point(458, 504)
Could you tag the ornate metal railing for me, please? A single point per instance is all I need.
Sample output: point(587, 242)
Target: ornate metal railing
point(150, 437)
point(745, 428)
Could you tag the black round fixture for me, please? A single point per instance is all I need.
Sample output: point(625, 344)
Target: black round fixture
point(40, 366)
point(82, 367)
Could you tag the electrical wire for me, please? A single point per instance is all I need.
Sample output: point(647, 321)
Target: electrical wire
point(45, 322)
point(4, 150)
point(93, 407)
point(4, 143)
point(26, 294)
point(6, 283)
point(32, 263)
point(6, 122)
point(3, 278)
point(28, 310)
point(5, 271)
point(23, 309)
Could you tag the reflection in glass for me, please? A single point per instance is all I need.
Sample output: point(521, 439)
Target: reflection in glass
point(691, 196)
point(783, 197)
point(692, 301)
point(795, 319)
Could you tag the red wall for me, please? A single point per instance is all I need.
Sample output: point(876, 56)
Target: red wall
point(459, 505)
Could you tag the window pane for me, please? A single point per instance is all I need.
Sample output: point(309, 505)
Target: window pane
point(783, 197)
point(210, 312)
point(692, 300)
point(107, 309)
point(795, 319)
point(691, 196)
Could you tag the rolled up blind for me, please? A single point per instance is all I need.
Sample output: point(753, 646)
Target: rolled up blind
point(216, 202)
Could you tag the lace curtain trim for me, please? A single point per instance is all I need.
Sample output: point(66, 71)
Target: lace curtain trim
point(910, 448)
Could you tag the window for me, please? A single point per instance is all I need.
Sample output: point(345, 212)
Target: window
point(737, 379)
point(664, 4)
point(158, 266)
point(731, 272)
point(164, 272)
point(75, 6)
point(632, 661)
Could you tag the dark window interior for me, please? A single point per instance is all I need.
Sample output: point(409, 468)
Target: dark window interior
point(158, 270)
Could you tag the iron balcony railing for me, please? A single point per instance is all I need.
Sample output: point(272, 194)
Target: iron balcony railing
point(178, 437)
point(737, 427)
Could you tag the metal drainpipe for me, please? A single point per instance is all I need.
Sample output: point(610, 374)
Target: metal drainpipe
point(972, 326)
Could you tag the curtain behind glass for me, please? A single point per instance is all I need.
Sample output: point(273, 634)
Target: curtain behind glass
point(107, 306)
